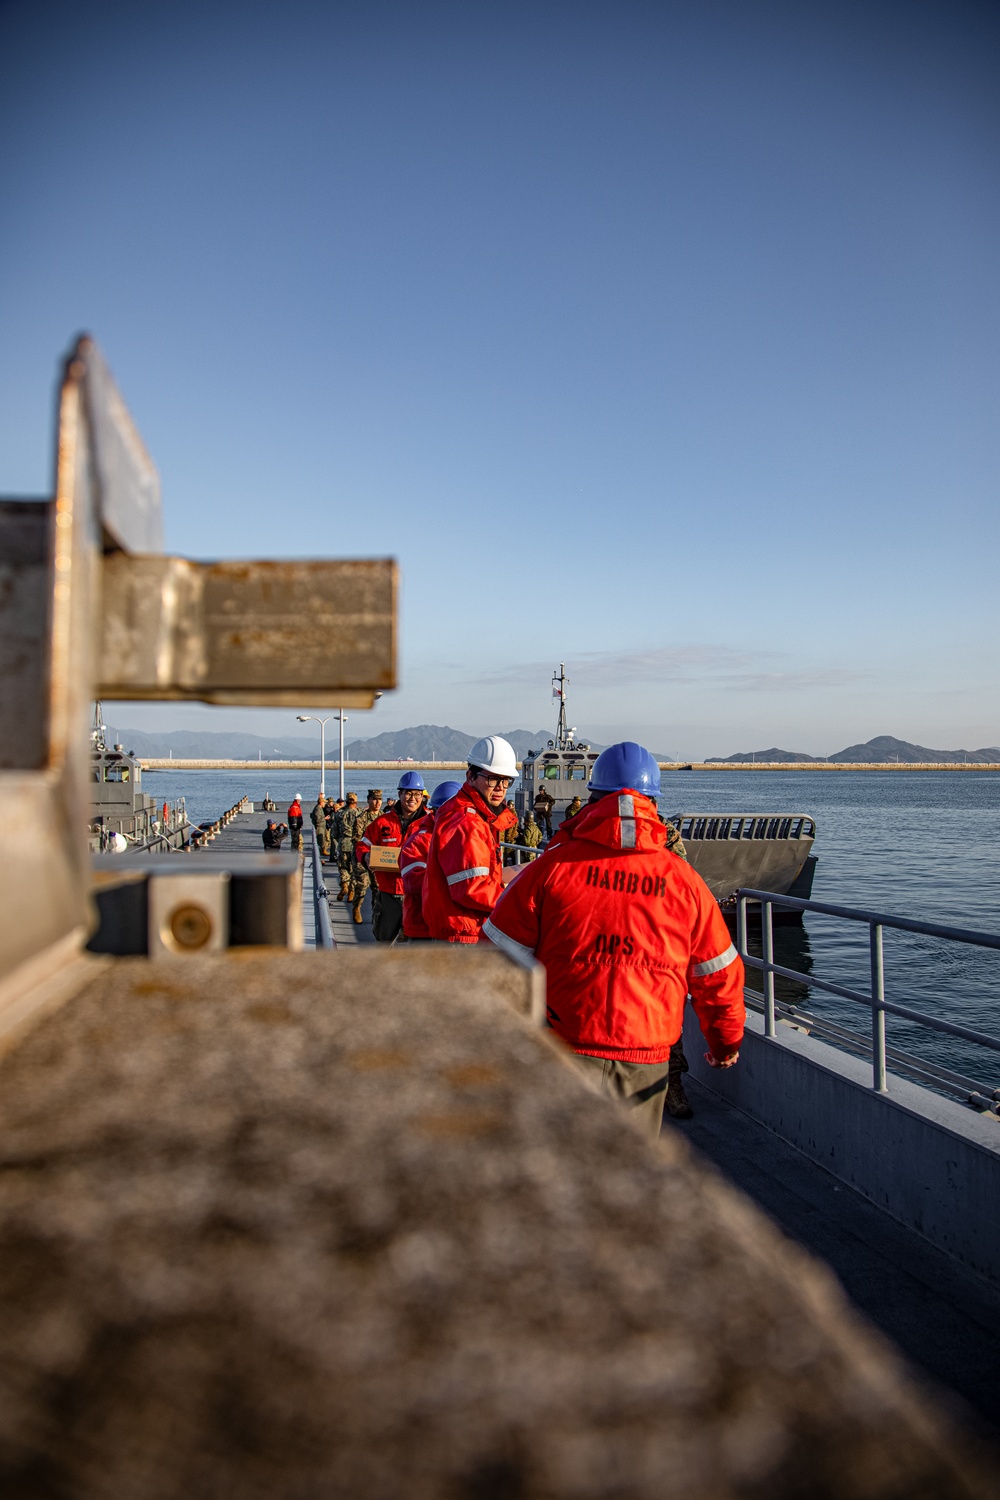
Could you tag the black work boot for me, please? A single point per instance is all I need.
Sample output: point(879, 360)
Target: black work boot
point(678, 1105)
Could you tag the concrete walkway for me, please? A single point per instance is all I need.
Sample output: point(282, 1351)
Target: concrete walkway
point(244, 836)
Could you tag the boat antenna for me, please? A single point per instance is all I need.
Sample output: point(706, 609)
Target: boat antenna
point(99, 729)
point(559, 681)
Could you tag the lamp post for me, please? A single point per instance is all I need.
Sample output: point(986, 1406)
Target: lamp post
point(306, 719)
point(342, 717)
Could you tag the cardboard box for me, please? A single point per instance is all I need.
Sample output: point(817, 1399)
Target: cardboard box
point(383, 859)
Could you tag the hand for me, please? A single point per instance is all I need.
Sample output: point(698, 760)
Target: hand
point(722, 1062)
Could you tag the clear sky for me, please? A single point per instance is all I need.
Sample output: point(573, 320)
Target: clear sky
point(657, 338)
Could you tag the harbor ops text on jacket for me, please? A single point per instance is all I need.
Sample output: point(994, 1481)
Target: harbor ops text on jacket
point(464, 874)
point(625, 931)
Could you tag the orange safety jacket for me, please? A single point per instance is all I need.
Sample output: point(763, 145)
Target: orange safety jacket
point(387, 832)
point(464, 874)
point(625, 931)
point(412, 864)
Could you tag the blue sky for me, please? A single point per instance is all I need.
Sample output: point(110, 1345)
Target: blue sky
point(661, 339)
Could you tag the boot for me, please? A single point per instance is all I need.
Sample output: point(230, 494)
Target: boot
point(357, 910)
point(678, 1105)
point(343, 893)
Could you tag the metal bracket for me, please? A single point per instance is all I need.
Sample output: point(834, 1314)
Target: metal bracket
point(90, 607)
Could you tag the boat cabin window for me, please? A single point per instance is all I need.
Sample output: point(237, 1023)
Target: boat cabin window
point(116, 773)
point(576, 773)
point(551, 773)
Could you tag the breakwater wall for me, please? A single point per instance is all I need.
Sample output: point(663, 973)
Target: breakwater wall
point(174, 764)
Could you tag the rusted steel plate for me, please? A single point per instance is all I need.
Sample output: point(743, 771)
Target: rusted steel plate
point(270, 633)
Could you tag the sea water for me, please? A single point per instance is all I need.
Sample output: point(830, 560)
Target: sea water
point(919, 844)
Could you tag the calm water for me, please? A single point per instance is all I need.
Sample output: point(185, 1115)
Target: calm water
point(923, 844)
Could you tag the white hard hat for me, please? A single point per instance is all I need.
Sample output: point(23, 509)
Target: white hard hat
point(495, 755)
point(297, 797)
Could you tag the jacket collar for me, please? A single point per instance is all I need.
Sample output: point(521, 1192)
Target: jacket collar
point(621, 820)
point(472, 798)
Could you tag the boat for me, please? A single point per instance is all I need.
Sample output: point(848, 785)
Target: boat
point(772, 851)
point(122, 815)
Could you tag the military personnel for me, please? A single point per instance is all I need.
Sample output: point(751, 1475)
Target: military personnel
point(360, 879)
point(544, 803)
point(344, 826)
point(508, 833)
point(531, 834)
point(573, 809)
point(318, 819)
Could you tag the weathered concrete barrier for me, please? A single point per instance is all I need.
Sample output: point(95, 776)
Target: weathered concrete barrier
point(347, 1225)
point(928, 1161)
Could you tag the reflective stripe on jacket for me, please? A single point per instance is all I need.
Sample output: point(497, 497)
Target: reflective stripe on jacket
point(625, 930)
point(412, 864)
point(463, 879)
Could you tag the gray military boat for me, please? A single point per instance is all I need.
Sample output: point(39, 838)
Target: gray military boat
point(769, 851)
point(119, 808)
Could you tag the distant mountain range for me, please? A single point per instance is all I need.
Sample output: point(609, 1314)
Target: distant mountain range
point(883, 750)
point(429, 742)
point(424, 742)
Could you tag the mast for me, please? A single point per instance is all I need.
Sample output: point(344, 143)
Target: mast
point(559, 681)
point(98, 731)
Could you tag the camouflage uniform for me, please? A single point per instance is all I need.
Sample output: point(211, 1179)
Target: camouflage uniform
point(531, 834)
point(318, 820)
point(344, 825)
point(572, 810)
point(508, 835)
point(360, 879)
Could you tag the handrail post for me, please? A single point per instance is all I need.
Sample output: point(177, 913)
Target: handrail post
point(767, 936)
point(741, 925)
point(878, 1013)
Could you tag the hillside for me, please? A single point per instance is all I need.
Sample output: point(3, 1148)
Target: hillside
point(765, 756)
point(435, 742)
point(422, 742)
point(883, 750)
point(203, 744)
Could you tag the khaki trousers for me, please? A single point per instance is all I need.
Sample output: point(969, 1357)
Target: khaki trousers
point(640, 1087)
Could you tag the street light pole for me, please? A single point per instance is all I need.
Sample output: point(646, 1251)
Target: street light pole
point(341, 716)
point(312, 718)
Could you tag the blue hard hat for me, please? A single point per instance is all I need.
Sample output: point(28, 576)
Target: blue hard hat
point(410, 781)
point(444, 792)
point(625, 765)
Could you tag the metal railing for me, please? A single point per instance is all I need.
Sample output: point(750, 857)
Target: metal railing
point(320, 896)
point(875, 1001)
point(531, 851)
point(740, 826)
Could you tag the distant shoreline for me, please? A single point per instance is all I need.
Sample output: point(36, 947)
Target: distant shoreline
point(159, 764)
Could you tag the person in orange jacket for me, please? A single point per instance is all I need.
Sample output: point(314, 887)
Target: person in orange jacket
point(413, 862)
point(464, 875)
point(625, 930)
point(295, 820)
point(388, 832)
